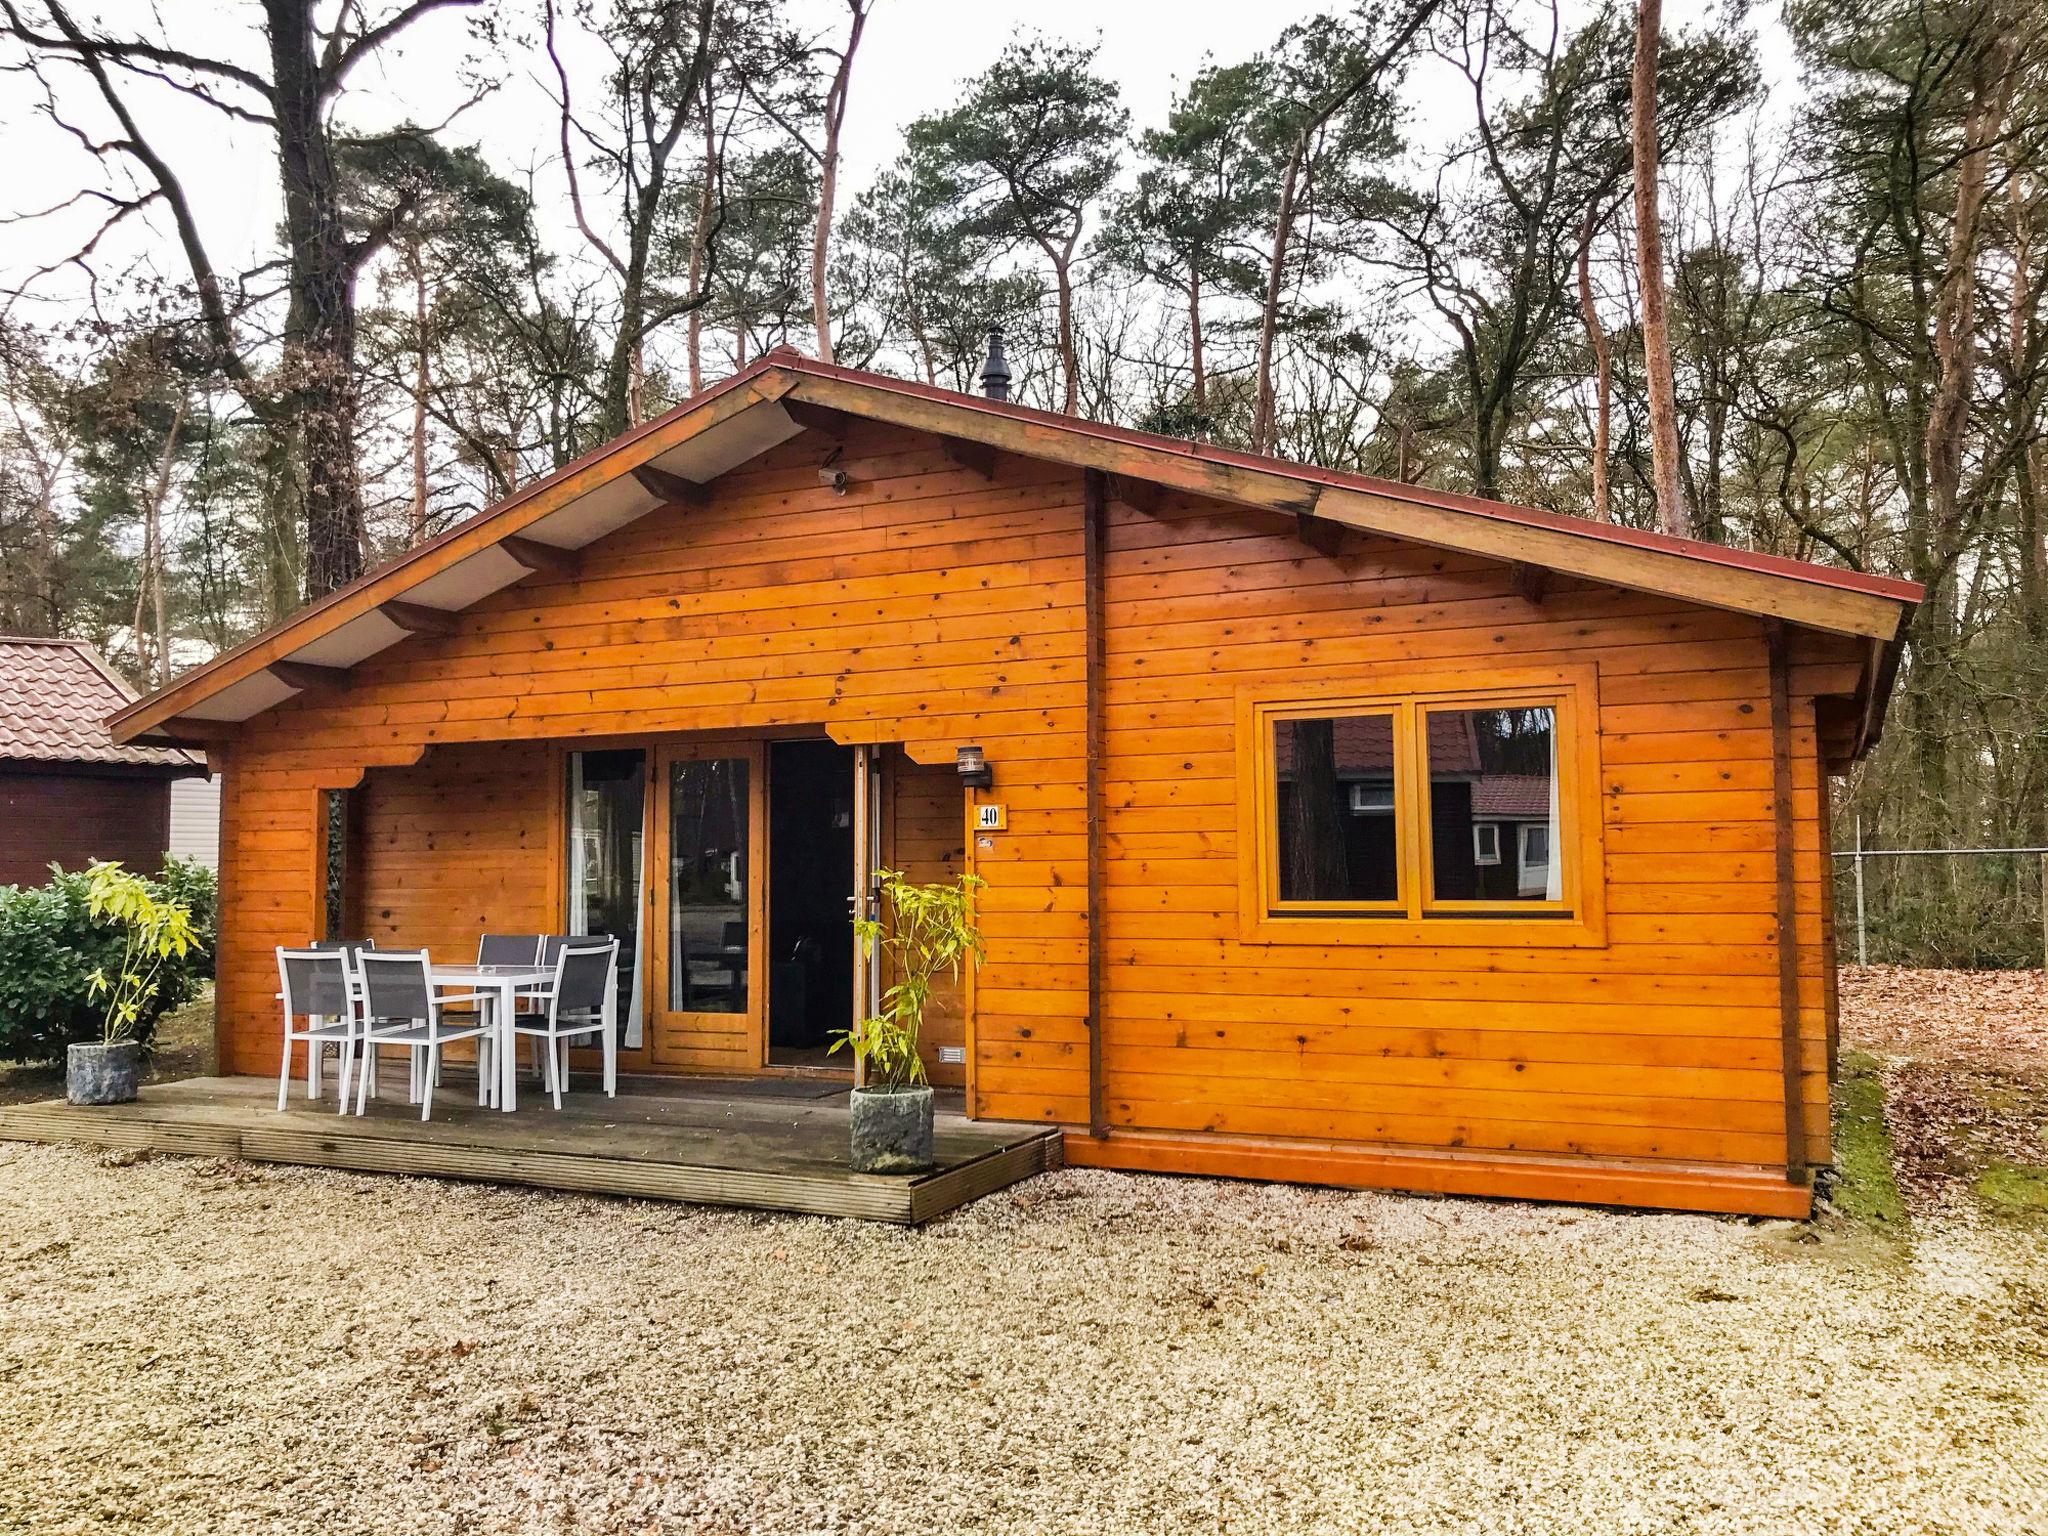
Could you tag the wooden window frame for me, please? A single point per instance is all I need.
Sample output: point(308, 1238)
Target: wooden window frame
point(1579, 919)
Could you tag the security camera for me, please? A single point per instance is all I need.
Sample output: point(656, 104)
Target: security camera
point(829, 473)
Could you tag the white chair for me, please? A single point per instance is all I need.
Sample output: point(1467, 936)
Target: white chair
point(401, 1007)
point(314, 987)
point(578, 1003)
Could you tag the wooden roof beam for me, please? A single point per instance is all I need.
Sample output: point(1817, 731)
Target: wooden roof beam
point(418, 619)
point(819, 418)
point(665, 486)
point(1532, 581)
point(187, 734)
point(308, 678)
point(1138, 495)
point(542, 559)
point(979, 457)
point(1319, 533)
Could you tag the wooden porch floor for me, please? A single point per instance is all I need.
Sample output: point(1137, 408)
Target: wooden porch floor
point(763, 1143)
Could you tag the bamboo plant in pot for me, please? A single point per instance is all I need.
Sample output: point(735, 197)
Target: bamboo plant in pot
point(929, 932)
point(154, 929)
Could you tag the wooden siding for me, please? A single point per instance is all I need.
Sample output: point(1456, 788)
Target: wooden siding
point(456, 847)
point(931, 606)
point(1662, 1044)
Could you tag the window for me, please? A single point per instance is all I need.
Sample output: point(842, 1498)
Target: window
point(1433, 817)
point(1498, 763)
point(710, 827)
point(1323, 767)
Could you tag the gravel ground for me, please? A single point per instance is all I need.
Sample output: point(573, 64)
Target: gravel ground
point(198, 1347)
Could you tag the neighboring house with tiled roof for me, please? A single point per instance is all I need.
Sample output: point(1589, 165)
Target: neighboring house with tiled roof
point(68, 792)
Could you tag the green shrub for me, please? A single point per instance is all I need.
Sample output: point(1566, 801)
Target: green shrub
point(50, 946)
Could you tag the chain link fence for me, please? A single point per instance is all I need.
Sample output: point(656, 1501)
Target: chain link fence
point(1942, 908)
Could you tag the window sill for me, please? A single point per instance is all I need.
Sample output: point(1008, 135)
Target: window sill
point(1509, 931)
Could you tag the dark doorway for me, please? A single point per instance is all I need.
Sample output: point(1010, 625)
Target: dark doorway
point(810, 919)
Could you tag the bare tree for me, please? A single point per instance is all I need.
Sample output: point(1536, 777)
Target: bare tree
point(309, 395)
point(1672, 515)
point(1343, 69)
point(661, 57)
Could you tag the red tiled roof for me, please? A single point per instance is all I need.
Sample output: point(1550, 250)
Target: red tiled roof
point(55, 697)
point(1511, 797)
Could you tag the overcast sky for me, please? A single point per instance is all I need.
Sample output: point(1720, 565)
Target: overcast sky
point(913, 58)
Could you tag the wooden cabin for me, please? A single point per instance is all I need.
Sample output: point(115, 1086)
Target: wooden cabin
point(1333, 829)
point(68, 793)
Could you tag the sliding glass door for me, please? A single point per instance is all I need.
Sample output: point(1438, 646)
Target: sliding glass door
point(607, 817)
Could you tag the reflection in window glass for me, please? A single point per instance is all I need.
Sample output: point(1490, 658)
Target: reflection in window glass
point(1493, 804)
point(1333, 779)
point(707, 902)
point(607, 796)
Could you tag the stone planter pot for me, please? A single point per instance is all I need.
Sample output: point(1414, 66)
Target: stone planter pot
point(102, 1074)
point(892, 1130)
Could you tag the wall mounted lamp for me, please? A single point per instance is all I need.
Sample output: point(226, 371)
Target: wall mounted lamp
point(975, 772)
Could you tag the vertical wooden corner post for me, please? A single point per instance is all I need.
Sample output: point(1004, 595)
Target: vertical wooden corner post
point(1788, 900)
point(863, 904)
point(1094, 514)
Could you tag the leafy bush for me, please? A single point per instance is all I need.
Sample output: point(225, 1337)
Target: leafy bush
point(50, 946)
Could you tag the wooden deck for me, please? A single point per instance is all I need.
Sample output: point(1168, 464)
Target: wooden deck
point(763, 1143)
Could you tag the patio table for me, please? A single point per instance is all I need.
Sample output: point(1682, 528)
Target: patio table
point(498, 987)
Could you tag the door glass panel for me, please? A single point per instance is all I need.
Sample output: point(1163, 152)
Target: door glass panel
point(607, 801)
point(707, 904)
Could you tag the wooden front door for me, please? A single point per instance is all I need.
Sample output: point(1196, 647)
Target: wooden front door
point(706, 992)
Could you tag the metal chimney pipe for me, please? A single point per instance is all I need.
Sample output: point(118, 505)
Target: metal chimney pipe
point(995, 373)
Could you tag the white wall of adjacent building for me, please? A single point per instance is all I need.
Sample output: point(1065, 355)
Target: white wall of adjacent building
point(195, 820)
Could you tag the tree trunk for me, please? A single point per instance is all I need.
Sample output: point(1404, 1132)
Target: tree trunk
point(1200, 370)
point(1265, 407)
point(1070, 359)
point(1317, 864)
point(420, 384)
point(828, 183)
point(700, 238)
point(152, 583)
point(1955, 304)
point(1671, 511)
point(320, 322)
point(1603, 369)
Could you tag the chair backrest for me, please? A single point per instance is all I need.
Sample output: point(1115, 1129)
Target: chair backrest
point(508, 949)
point(396, 984)
point(583, 975)
point(736, 935)
point(551, 946)
point(314, 981)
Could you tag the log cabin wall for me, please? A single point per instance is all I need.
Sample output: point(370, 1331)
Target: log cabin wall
point(460, 845)
point(932, 606)
point(1661, 1043)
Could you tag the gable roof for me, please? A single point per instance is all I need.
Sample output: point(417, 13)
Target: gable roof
point(673, 457)
point(55, 696)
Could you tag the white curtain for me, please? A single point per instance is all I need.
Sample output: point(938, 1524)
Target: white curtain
point(634, 1007)
point(1553, 881)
